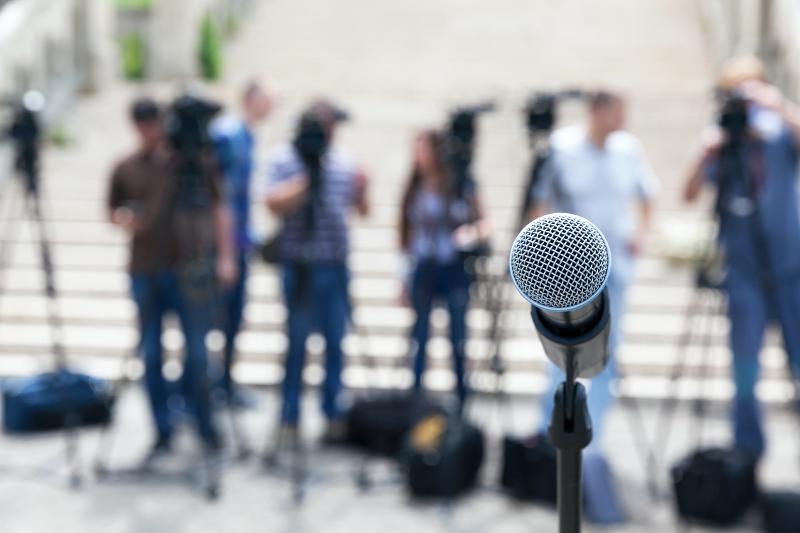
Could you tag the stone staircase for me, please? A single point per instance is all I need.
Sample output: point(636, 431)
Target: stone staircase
point(398, 68)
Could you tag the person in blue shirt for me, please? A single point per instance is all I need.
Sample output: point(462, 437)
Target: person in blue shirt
point(599, 171)
point(759, 231)
point(234, 141)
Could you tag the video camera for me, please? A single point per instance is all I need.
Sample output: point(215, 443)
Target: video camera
point(733, 113)
point(25, 131)
point(187, 128)
point(541, 110)
point(311, 138)
point(460, 138)
point(188, 120)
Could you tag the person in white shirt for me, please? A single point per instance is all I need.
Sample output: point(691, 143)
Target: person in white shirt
point(599, 171)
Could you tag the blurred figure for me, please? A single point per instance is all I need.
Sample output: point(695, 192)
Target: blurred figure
point(434, 222)
point(758, 227)
point(599, 171)
point(234, 142)
point(142, 200)
point(312, 187)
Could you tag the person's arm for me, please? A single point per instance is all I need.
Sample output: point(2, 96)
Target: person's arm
point(483, 227)
point(227, 268)
point(361, 200)
point(696, 173)
point(478, 230)
point(770, 97)
point(120, 213)
point(287, 196)
point(645, 208)
point(693, 183)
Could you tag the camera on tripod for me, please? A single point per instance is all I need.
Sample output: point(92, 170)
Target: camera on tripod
point(25, 132)
point(460, 141)
point(187, 129)
point(733, 113)
point(313, 136)
point(541, 110)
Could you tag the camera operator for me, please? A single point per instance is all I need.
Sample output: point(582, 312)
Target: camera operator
point(599, 171)
point(750, 159)
point(234, 142)
point(435, 224)
point(312, 186)
point(148, 192)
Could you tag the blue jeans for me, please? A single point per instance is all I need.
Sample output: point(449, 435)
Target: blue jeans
point(600, 398)
point(750, 308)
point(232, 309)
point(450, 282)
point(155, 295)
point(316, 299)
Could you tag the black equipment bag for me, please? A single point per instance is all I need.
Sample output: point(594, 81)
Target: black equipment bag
point(715, 485)
point(443, 456)
point(56, 400)
point(781, 512)
point(380, 423)
point(529, 468)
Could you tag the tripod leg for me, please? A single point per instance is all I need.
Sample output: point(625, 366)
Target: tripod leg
point(666, 411)
point(71, 451)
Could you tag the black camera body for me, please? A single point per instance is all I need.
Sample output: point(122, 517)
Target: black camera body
point(460, 142)
point(187, 129)
point(541, 110)
point(188, 121)
point(733, 114)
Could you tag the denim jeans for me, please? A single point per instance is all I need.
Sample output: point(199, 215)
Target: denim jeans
point(750, 308)
point(316, 299)
point(155, 295)
point(231, 309)
point(599, 395)
point(449, 282)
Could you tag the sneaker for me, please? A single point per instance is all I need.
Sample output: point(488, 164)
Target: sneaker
point(160, 450)
point(241, 398)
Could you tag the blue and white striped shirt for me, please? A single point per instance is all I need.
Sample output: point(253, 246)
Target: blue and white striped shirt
point(328, 240)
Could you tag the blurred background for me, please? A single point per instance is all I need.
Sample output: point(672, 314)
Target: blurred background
point(396, 68)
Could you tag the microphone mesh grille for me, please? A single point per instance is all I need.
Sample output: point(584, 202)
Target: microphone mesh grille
point(559, 261)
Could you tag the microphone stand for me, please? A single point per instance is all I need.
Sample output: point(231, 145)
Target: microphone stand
point(570, 432)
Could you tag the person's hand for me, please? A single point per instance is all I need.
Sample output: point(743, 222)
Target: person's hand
point(764, 95)
point(711, 140)
point(466, 236)
point(361, 183)
point(227, 271)
point(126, 218)
point(636, 244)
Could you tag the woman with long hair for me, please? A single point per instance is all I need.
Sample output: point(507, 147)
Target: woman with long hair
point(436, 224)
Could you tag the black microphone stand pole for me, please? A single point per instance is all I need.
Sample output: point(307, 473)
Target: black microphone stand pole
point(570, 432)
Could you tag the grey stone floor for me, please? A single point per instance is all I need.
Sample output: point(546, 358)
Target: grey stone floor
point(34, 493)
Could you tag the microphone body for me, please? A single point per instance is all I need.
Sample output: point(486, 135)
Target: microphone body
point(578, 337)
point(560, 264)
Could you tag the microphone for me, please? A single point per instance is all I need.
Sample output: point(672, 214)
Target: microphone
point(560, 264)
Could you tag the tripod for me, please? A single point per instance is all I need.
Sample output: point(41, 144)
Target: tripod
point(27, 194)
